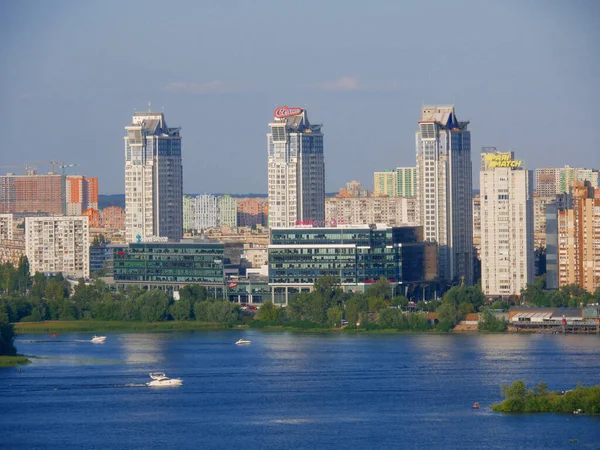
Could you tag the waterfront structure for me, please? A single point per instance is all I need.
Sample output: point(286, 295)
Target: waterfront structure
point(6, 227)
point(356, 255)
point(227, 206)
point(189, 213)
point(32, 193)
point(365, 210)
point(207, 212)
point(296, 169)
point(507, 256)
point(406, 179)
point(168, 264)
point(153, 178)
point(252, 212)
point(385, 184)
point(81, 194)
point(578, 239)
point(444, 189)
point(58, 244)
point(113, 217)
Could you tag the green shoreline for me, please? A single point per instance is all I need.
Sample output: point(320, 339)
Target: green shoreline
point(94, 326)
point(13, 361)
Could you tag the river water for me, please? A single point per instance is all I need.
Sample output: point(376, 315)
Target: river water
point(292, 390)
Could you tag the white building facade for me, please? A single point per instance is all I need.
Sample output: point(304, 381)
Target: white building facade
point(444, 189)
point(296, 169)
point(207, 212)
point(153, 179)
point(58, 244)
point(366, 210)
point(507, 239)
point(6, 227)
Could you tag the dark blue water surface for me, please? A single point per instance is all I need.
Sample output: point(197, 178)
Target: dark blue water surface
point(292, 390)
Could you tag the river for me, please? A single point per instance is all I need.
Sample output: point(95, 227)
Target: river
point(291, 390)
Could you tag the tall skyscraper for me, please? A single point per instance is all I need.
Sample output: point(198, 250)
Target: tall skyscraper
point(444, 193)
point(385, 184)
point(507, 259)
point(153, 179)
point(207, 212)
point(296, 169)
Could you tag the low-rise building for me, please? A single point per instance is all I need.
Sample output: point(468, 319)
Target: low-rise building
point(355, 255)
point(394, 211)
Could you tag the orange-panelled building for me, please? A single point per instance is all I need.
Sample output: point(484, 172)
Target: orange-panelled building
point(81, 193)
point(113, 217)
point(32, 193)
point(252, 212)
point(93, 217)
point(579, 239)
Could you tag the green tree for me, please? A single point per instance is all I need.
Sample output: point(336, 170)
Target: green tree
point(201, 311)
point(515, 395)
point(153, 306)
point(268, 312)
point(334, 316)
point(446, 313)
point(7, 336)
point(223, 311)
point(381, 289)
point(400, 301)
point(352, 312)
point(182, 309)
point(489, 322)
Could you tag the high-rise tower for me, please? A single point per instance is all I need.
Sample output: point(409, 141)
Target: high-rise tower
point(506, 224)
point(153, 179)
point(444, 193)
point(296, 169)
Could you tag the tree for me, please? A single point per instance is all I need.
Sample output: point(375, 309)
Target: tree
point(447, 314)
point(515, 395)
point(400, 301)
point(182, 309)
point(334, 316)
point(7, 336)
point(352, 311)
point(153, 306)
point(268, 312)
point(380, 289)
point(489, 322)
point(223, 311)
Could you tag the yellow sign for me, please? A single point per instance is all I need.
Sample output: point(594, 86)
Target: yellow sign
point(502, 160)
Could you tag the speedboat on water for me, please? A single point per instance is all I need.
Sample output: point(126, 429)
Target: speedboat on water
point(243, 342)
point(98, 339)
point(159, 379)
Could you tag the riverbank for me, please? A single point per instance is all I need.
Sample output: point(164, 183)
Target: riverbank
point(12, 361)
point(96, 326)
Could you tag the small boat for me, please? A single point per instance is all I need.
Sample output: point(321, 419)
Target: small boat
point(476, 405)
point(578, 411)
point(98, 339)
point(243, 342)
point(159, 379)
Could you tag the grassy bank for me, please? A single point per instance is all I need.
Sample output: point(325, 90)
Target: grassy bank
point(12, 361)
point(96, 326)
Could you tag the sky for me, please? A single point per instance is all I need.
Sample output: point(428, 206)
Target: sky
point(525, 74)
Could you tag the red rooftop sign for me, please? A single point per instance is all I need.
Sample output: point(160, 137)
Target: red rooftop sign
point(284, 111)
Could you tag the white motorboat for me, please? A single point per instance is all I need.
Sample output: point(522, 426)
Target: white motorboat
point(243, 342)
point(98, 339)
point(159, 379)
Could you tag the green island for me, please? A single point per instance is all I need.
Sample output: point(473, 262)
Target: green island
point(517, 398)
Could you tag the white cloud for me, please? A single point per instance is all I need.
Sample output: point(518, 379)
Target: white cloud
point(345, 83)
point(207, 87)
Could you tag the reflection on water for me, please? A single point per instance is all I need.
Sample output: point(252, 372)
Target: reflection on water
point(292, 389)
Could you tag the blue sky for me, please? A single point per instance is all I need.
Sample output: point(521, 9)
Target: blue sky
point(525, 73)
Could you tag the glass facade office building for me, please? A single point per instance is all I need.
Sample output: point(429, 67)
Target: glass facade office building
point(175, 264)
point(356, 255)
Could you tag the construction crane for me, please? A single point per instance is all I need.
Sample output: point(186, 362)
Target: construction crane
point(64, 166)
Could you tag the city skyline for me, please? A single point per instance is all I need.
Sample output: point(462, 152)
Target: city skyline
point(516, 86)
